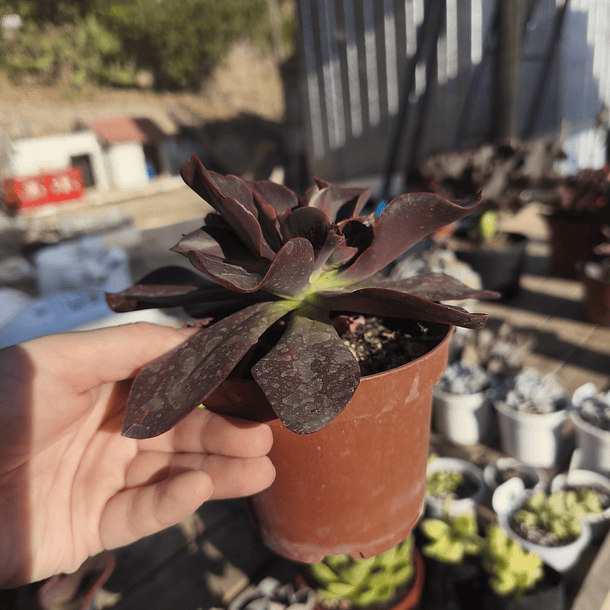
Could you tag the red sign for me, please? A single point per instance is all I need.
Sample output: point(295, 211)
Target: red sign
point(32, 191)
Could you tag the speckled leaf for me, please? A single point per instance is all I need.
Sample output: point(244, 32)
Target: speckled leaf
point(287, 275)
point(310, 375)
point(221, 242)
point(347, 201)
point(405, 221)
point(388, 302)
point(171, 286)
point(171, 386)
point(231, 197)
point(431, 286)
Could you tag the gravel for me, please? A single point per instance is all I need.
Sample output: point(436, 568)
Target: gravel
point(532, 392)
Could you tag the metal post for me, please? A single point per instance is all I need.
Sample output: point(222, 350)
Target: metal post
point(508, 68)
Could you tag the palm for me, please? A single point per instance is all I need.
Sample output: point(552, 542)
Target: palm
point(78, 486)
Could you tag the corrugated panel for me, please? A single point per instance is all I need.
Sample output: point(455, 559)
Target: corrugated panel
point(355, 56)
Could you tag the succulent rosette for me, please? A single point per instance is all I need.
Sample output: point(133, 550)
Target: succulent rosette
point(267, 256)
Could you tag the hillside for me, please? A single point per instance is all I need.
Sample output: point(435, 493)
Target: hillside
point(247, 81)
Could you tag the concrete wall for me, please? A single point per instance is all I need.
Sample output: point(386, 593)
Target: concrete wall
point(126, 165)
point(36, 155)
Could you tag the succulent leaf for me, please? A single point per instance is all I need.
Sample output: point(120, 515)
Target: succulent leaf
point(232, 198)
point(319, 372)
point(171, 386)
point(404, 221)
point(287, 275)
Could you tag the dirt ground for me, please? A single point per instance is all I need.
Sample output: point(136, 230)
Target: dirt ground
point(247, 82)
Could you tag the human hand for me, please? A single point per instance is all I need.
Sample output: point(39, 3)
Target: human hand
point(71, 485)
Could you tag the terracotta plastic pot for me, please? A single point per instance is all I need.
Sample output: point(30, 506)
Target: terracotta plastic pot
point(571, 241)
point(596, 299)
point(357, 485)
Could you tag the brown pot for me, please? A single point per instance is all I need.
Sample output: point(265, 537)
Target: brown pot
point(596, 299)
point(571, 241)
point(357, 485)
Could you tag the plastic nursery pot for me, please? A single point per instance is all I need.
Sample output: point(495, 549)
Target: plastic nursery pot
point(435, 507)
point(356, 486)
point(593, 445)
point(561, 558)
point(572, 240)
point(465, 419)
point(500, 269)
point(536, 439)
point(533, 478)
point(596, 298)
point(585, 478)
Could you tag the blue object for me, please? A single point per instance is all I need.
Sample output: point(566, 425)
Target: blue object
point(380, 208)
point(56, 313)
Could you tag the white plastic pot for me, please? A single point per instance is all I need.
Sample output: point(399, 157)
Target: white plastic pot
point(465, 419)
point(491, 471)
point(536, 439)
point(561, 558)
point(574, 478)
point(435, 507)
point(593, 444)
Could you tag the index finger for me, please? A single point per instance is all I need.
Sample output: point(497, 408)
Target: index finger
point(205, 432)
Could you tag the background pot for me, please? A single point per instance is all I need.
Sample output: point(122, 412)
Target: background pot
point(500, 269)
point(538, 476)
point(357, 485)
point(596, 298)
point(572, 240)
point(537, 439)
point(435, 507)
point(593, 445)
point(561, 558)
point(599, 523)
point(465, 419)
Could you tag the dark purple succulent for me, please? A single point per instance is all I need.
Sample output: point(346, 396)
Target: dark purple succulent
point(268, 256)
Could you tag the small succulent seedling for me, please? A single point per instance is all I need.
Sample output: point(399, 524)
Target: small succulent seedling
point(443, 482)
point(269, 258)
point(364, 582)
point(560, 513)
point(512, 570)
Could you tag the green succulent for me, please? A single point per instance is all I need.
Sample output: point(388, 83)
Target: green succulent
point(512, 570)
point(364, 582)
point(560, 513)
point(443, 482)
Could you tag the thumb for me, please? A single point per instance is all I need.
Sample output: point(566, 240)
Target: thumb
point(90, 358)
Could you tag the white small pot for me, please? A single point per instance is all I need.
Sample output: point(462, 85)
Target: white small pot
point(465, 419)
point(491, 470)
point(536, 439)
point(435, 507)
point(593, 443)
point(599, 523)
point(561, 558)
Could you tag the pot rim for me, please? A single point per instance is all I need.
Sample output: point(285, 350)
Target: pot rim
point(584, 534)
point(562, 481)
point(559, 415)
point(585, 426)
point(504, 463)
point(440, 392)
